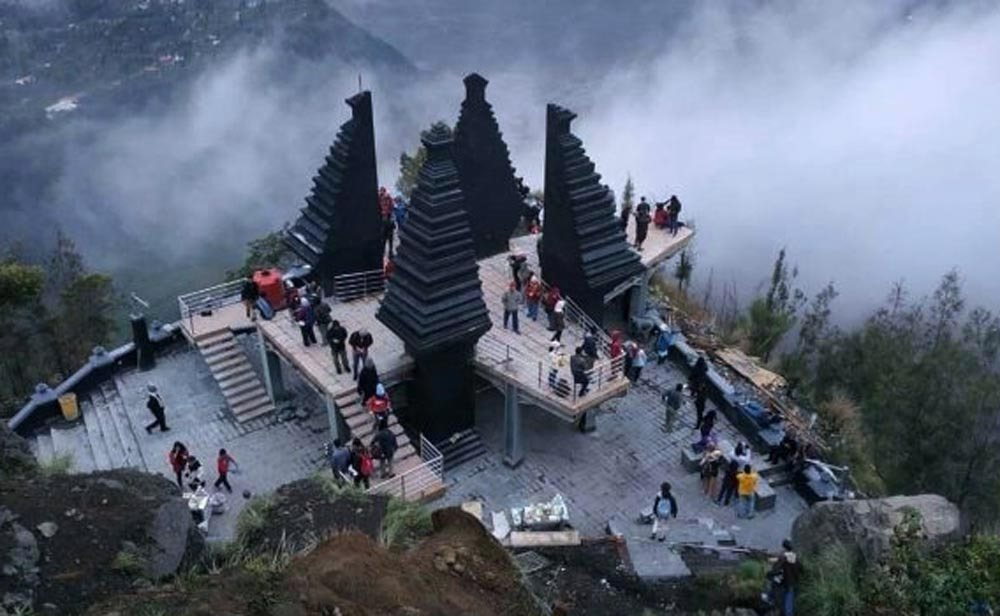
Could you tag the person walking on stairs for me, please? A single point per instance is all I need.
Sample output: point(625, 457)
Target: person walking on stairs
point(336, 336)
point(222, 466)
point(558, 319)
point(385, 444)
point(154, 402)
point(368, 382)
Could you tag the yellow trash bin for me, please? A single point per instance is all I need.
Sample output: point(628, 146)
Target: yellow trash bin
point(70, 410)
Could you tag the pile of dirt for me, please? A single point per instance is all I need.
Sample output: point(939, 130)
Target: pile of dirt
point(304, 512)
point(459, 569)
point(16, 458)
point(67, 541)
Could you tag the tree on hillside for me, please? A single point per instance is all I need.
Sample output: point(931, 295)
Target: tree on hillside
point(926, 376)
point(772, 316)
point(628, 196)
point(683, 270)
point(410, 164)
point(263, 252)
point(19, 283)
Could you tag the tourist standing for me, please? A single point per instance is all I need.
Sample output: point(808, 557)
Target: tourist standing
point(643, 207)
point(700, 398)
point(558, 361)
point(368, 382)
point(549, 301)
point(511, 299)
point(336, 336)
point(625, 215)
point(178, 459)
point(154, 402)
point(360, 342)
point(388, 230)
point(590, 343)
point(742, 454)
point(673, 400)
point(615, 350)
point(674, 213)
point(707, 425)
point(746, 487)
point(664, 507)
point(699, 375)
point(559, 319)
point(711, 463)
point(663, 341)
point(222, 466)
point(379, 405)
point(533, 296)
point(323, 321)
point(642, 220)
point(578, 367)
point(399, 211)
point(785, 578)
point(729, 484)
point(305, 318)
point(638, 363)
point(249, 294)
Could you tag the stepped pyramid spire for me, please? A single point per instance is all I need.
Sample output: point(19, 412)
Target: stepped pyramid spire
point(339, 229)
point(491, 194)
point(584, 250)
point(434, 299)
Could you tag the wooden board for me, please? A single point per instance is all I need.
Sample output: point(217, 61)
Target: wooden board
point(749, 369)
point(553, 538)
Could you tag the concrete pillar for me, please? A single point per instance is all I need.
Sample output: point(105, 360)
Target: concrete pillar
point(588, 421)
point(333, 415)
point(639, 296)
point(143, 346)
point(513, 450)
point(271, 363)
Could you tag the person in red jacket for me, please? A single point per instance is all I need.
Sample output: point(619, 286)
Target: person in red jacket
point(222, 465)
point(661, 218)
point(533, 296)
point(384, 203)
point(178, 458)
point(379, 405)
point(549, 303)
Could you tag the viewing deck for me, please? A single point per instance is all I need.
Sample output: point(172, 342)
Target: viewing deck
point(501, 356)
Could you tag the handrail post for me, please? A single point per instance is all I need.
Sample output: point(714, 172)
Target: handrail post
point(402, 486)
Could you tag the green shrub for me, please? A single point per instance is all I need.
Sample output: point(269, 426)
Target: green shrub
point(830, 585)
point(57, 465)
point(404, 524)
point(127, 562)
point(335, 491)
point(748, 581)
point(253, 520)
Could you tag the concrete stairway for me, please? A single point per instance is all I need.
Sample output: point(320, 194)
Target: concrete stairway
point(462, 447)
point(361, 425)
point(103, 438)
point(244, 393)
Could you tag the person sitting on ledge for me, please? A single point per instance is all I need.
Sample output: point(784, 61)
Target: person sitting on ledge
point(660, 217)
point(784, 450)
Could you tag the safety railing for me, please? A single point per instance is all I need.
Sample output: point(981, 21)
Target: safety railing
point(575, 314)
point(548, 377)
point(212, 298)
point(348, 287)
point(418, 482)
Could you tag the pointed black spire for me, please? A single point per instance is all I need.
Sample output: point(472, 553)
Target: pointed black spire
point(434, 298)
point(584, 250)
point(491, 195)
point(339, 231)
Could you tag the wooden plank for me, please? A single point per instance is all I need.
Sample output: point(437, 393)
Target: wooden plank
point(748, 368)
point(534, 539)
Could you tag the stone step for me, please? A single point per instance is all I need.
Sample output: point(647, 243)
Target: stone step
point(365, 432)
point(44, 449)
point(226, 363)
point(247, 383)
point(238, 379)
point(254, 409)
point(112, 441)
point(73, 441)
point(254, 393)
point(124, 426)
point(91, 425)
point(233, 373)
point(223, 351)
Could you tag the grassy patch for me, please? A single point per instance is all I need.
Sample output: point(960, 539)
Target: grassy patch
point(404, 524)
point(253, 520)
point(127, 562)
point(748, 581)
point(336, 491)
point(57, 465)
point(830, 586)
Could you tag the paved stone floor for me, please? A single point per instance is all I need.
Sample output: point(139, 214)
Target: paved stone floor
point(614, 472)
point(270, 453)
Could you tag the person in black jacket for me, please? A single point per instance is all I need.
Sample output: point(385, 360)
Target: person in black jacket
point(360, 342)
point(579, 367)
point(155, 405)
point(590, 343)
point(728, 489)
point(367, 381)
point(249, 294)
point(664, 507)
point(385, 444)
point(337, 337)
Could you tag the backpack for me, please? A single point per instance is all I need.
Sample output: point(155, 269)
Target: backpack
point(366, 466)
point(663, 508)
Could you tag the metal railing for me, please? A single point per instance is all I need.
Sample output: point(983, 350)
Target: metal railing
point(348, 287)
point(551, 380)
point(575, 314)
point(419, 481)
point(212, 298)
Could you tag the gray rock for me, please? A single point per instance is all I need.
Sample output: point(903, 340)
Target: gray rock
point(15, 453)
point(24, 555)
point(48, 529)
point(114, 484)
point(866, 526)
point(169, 532)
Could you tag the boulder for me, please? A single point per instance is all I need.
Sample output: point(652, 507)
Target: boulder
point(15, 453)
point(867, 525)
